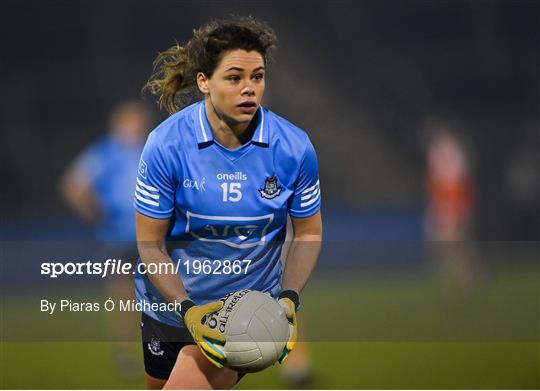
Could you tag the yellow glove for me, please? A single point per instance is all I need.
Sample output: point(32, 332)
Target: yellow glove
point(290, 313)
point(207, 339)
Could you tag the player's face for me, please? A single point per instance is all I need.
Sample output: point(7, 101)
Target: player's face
point(237, 85)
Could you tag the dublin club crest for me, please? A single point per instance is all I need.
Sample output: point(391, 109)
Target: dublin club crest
point(155, 348)
point(271, 188)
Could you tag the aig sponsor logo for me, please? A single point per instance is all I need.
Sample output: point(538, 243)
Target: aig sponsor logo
point(233, 231)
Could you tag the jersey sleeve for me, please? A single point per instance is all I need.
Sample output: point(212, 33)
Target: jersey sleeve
point(154, 188)
point(306, 199)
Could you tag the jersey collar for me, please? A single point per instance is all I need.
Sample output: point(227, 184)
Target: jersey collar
point(205, 137)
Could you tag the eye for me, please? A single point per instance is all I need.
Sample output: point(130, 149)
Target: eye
point(234, 78)
point(258, 76)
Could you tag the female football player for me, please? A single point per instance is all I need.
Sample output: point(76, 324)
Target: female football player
point(215, 184)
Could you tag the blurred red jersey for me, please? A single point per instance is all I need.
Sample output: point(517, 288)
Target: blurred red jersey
point(449, 188)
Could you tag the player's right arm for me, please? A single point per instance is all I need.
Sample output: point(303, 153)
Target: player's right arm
point(152, 250)
point(151, 234)
point(155, 189)
point(154, 201)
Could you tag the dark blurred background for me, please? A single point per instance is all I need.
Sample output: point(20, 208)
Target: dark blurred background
point(362, 77)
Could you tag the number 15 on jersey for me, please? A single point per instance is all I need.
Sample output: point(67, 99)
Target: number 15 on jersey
point(231, 191)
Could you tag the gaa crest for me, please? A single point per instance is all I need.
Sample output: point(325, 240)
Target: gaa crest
point(271, 188)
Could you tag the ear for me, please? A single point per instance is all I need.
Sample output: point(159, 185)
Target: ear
point(202, 83)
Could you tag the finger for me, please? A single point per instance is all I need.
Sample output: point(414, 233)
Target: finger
point(295, 326)
point(284, 356)
point(210, 358)
point(291, 345)
point(292, 340)
point(293, 336)
point(213, 334)
point(212, 349)
point(288, 306)
point(211, 307)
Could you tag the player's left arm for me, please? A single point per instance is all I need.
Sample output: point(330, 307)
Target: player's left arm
point(304, 209)
point(304, 251)
point(300, 262)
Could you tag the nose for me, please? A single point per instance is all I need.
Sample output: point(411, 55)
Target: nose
point(248, 90)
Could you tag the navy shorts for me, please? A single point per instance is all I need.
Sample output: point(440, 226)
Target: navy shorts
point(161, 345)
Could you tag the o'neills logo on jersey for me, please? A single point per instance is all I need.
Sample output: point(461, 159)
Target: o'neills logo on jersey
point(235, 176)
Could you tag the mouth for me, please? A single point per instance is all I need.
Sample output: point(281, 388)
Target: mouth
point(248, 105)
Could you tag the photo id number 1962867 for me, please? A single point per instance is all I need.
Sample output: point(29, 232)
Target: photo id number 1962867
point(217, 266)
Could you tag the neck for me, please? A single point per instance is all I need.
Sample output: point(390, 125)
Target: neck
point(227, 132)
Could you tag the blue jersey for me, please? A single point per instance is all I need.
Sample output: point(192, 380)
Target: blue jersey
point(224, 205)
point(109, 167)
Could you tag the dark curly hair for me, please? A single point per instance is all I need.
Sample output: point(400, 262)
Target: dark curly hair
point(175, 70)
